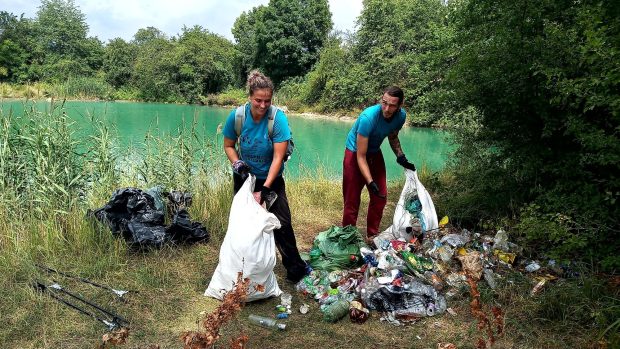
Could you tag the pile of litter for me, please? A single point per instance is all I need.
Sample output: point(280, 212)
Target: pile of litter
point(414, 267)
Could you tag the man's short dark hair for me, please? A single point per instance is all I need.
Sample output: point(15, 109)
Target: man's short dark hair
point(395, 91)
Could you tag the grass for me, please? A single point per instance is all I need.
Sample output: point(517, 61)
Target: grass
point(40, 172)
point(84, 88)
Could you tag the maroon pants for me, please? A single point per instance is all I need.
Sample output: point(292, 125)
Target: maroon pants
point(352, 184)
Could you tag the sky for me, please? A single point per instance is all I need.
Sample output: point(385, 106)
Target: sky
point(109, 19)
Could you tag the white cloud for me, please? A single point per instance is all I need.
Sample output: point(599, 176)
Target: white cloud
point(122, 18)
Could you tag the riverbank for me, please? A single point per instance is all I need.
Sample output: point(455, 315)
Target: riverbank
point(48, 93)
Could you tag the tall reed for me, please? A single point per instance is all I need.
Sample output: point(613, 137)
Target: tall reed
point(50, 177)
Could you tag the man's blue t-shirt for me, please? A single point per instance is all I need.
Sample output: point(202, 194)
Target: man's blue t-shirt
point(256, 145)
point(372, 125)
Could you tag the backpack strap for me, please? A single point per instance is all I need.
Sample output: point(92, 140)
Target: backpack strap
point(271, 117)
point(239, 119)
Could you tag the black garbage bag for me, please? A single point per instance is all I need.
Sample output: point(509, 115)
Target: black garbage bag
point(178, 200)
point(134, 215)
point(146, 235)
point(184, 230)
point(395, 298)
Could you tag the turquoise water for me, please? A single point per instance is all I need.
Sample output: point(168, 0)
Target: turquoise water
point(319, 142)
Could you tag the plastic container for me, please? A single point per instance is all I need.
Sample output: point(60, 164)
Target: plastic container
point(266, 322)
point(286, 299)
point(489, 277)
point(336, 311)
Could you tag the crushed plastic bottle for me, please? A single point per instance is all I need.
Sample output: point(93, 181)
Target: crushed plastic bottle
point(532, 267)
point(286, 299)
point(336, 311)
point(500, 241)
point(455, 240)
point(445, 253)
point(266, 322)
point(489, 277)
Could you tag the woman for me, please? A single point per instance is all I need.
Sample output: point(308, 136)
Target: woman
point(261, 153)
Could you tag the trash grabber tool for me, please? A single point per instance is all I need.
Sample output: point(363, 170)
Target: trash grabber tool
point(115, 323)
point(119, 293)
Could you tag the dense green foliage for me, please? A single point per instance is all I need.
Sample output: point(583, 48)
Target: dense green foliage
point(398, 42)
point(54, 48)
point(545, 81)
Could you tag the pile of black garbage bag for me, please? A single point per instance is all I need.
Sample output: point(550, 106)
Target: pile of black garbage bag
point(139, 217)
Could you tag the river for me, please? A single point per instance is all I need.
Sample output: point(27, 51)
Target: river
point(319, 142)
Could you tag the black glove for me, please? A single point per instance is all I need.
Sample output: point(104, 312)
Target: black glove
point(402, 160)
point(374, 188)
point(241, 168)
point(267, 196)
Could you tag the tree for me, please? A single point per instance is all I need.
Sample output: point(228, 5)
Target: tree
point(62, 48)
point(244, 31)
point(15, 39)
point(397, 42)
point(155, 68)
point(146, 35)
point(118, 62)
point(205, 63)
point(287, 36)
point(62, 27)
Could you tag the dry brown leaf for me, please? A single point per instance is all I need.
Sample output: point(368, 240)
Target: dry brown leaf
point(498, 320)
point(446, 346)
point(239, 342)
point(472, 266)
point(115, 337)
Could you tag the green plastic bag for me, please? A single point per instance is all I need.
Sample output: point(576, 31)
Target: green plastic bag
point(416, 263)
point(337, 249)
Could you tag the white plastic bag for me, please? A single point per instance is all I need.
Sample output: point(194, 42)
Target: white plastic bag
point(419, 222)
point(248, 246)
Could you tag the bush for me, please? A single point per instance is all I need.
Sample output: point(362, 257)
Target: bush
point(125, 94)
point(291, 93)
point(231, 96)
point(82, 88)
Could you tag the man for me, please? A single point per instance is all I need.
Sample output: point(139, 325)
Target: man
point(363, 163)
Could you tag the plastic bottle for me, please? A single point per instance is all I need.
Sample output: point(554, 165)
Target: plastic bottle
point(488, 276)
point(266, 322)
point(336, 311)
